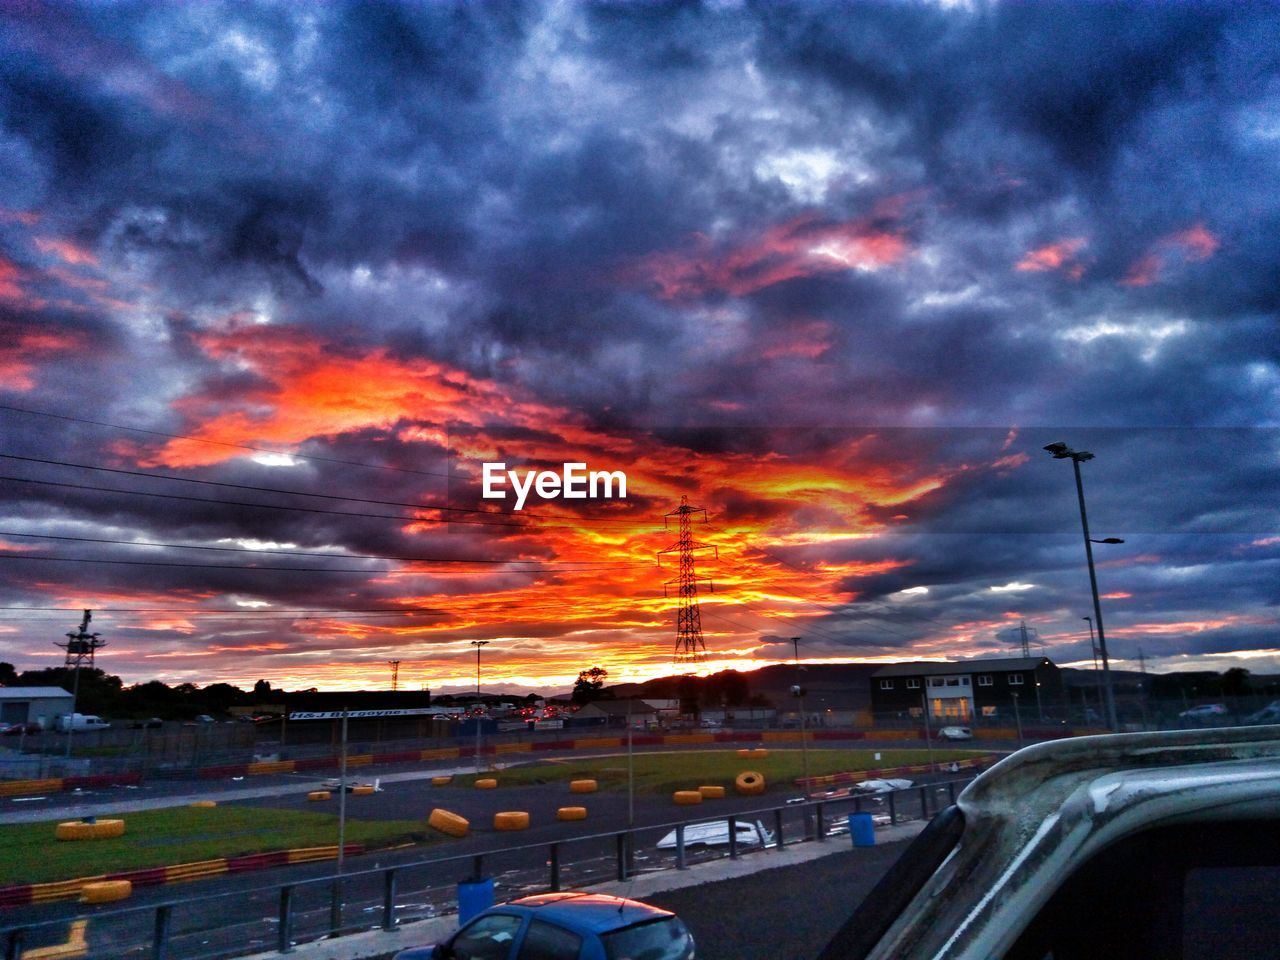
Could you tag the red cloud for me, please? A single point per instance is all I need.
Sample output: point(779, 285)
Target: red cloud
point(67, 251)
point(1194, 244)
point(801, 247)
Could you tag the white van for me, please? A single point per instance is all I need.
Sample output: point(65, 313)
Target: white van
point(716, 834)
point(76, 722)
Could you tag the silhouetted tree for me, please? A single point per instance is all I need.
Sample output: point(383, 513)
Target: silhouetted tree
point(8, 675)
point(588, 685)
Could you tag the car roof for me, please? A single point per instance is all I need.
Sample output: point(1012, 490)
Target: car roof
point(1038, 814)
point(587, 912)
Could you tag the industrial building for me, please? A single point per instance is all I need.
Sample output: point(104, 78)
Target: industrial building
point(33, 705)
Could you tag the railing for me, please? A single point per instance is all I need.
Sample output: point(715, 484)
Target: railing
point(281, 915)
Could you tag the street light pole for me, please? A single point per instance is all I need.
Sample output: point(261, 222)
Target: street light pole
point(798, 689)
point(478, 644)
point(1061, 451)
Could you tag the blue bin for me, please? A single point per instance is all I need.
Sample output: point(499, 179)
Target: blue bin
point(862, 829)
point(474, 896)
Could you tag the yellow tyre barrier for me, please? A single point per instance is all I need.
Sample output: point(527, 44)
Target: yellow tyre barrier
point(74, 830)
point(441, 781)
point(749, 783)
point(711, 792)
point(204, 804)
point(319, 795)
point(571, 813)
point(106, 891)
point(448, 823)
point(686, 798)
point(583, 786)
point(511, 820)
point(82, 830)
point(362, 789)
point(488, 783)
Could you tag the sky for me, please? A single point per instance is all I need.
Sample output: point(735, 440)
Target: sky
point(277, 279)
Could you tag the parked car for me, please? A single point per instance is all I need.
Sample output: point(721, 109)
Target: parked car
point(881, 786)
point(1206, 711)
point(155, 723)
point(574, 926)
point(954, 733)
point(1143, 846)
point(1268, 714)
point(21, 729)
point(715, 833)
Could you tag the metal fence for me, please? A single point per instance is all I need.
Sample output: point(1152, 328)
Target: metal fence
point(306, 908)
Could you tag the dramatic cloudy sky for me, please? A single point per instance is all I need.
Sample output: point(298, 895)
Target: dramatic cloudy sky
point(275, 279)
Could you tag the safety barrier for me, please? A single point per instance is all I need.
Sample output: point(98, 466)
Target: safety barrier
point(511, 820)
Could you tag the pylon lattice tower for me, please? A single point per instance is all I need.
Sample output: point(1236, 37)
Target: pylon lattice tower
point(395, 674)
point(81, 645)
point(689, 645)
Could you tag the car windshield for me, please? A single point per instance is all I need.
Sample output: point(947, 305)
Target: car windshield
point(665, 939)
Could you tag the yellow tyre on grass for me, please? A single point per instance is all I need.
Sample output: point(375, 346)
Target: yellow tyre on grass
point(711, 792)
point(685, 798)
point(583, 786)
point(571, 813)
point(441, 781)
point(204, 804)
point(448, 823)
point(319, 795)
point(488, 783)
point(749, 783)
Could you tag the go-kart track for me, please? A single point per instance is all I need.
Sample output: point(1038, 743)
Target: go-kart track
point(238, 914)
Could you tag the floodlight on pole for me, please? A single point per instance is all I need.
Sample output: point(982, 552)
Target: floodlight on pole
point(1061, 451)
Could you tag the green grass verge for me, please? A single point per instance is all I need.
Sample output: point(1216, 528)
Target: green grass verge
point(154, 838)
point(689, 769)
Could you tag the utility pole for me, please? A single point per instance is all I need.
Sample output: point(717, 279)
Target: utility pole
point(80, 645)
point(395, 674)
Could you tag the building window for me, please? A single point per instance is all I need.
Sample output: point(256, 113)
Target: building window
point(886, 684)
point(964, 681)
point(935, 682)
point(984, 679)
point(953, 681)
point(1015, 679)
point(913, 684)
point(916, 712)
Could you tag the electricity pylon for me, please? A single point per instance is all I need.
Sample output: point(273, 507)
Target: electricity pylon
point(689, 645)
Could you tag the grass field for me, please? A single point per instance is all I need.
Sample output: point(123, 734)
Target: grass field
point(30, 854)
point(688, 769)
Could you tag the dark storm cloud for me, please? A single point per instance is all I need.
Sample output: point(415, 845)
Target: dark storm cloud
point(604, 207)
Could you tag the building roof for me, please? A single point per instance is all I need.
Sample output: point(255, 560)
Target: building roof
point(32, 693)
point(932, 668)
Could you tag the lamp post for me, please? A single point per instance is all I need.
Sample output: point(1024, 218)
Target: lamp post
point(798, 691)
point(1061, 451)
point(478, 644)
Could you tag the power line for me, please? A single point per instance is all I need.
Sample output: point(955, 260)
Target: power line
point(219, 443)
point(303, 493)
point(328, 556)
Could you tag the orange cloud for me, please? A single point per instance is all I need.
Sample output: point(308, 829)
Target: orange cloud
point(22, 350)
point(67, 251)
point(1055, 256)
point(802, 247)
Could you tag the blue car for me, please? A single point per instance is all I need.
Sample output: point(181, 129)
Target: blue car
point(566, 926)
